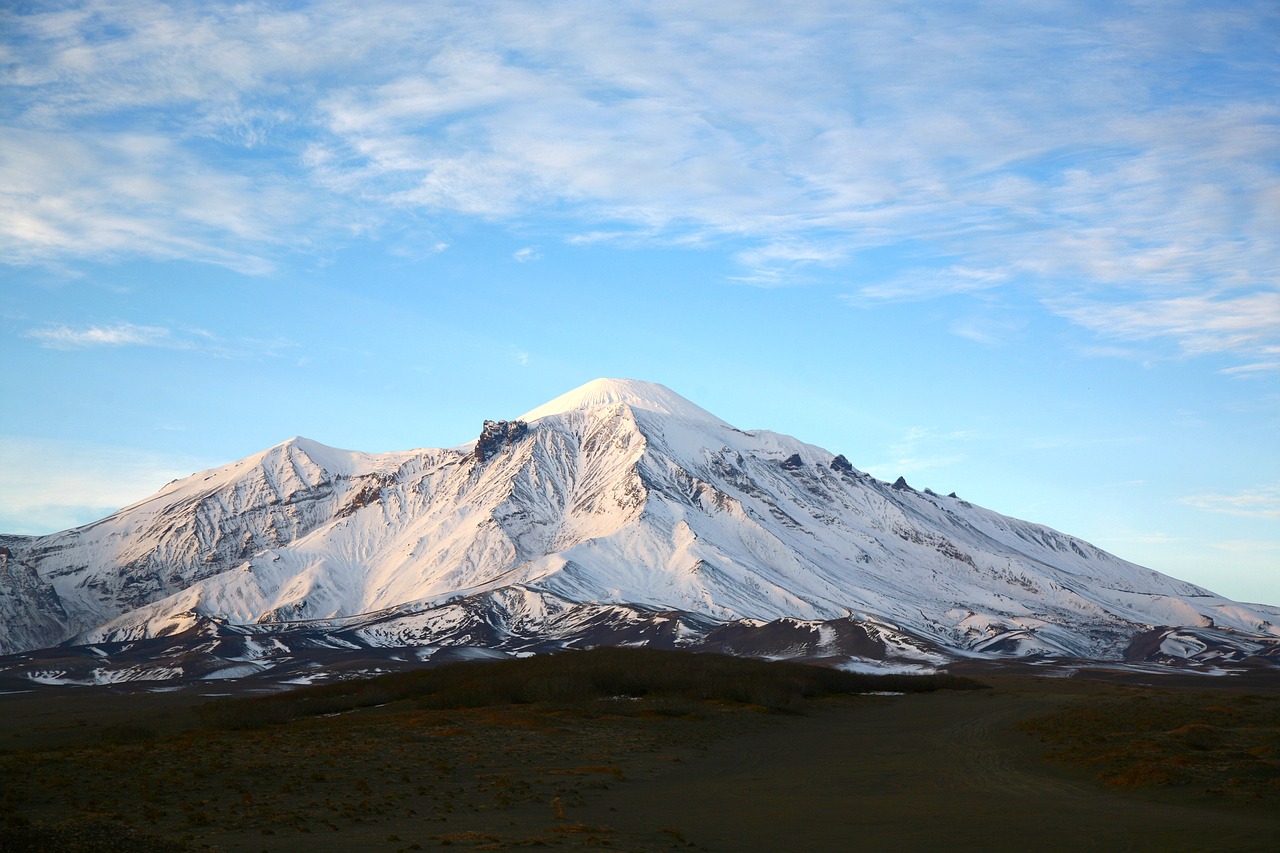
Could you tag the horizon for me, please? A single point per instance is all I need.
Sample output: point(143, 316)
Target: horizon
point(1030, 256)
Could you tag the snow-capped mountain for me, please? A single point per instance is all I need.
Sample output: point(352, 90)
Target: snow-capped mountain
point(619, 512)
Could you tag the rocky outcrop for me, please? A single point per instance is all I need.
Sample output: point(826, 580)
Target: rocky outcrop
point(496, 435)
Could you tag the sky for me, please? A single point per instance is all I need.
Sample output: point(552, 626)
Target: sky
point(1024, 251)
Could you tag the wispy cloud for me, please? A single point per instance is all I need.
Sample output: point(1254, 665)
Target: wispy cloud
point(1116, 162)
point(921, 449)
point(129, 194)
point(1258, 503)
point(919, 284)
point(121, 334)
point(777, 261)
point(1252, 370)
point(986, 329)
point(66, 337)
point(1202, 323)
point(1249, 547)
point(527, 254)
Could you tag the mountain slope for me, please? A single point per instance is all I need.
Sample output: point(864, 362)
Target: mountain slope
point(619, 498)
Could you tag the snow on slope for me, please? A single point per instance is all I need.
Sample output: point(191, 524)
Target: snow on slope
point(190, 530)
point(646, 396)
point(619, 493)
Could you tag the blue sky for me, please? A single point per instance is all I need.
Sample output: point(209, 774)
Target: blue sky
point(1029, 252)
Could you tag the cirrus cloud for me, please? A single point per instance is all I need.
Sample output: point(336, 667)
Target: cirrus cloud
point(1258, 503)
point(120, 334)
point(1244, 323)
point(1116, 163)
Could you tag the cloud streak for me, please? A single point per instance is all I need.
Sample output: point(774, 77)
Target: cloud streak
point(1258, 503)
point(121, 334)
point(64, 337)
point(1115, 165)
point(1202, 323)
point(921, 449)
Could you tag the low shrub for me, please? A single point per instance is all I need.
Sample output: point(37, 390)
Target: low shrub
point(576, 677)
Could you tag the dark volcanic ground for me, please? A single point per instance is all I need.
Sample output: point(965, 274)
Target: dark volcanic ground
point(1106, 761)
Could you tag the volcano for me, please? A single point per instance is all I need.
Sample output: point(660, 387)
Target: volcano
point(618, 513)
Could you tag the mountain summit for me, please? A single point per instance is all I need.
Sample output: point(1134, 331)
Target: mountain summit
point(647, 396)
point(616, 513)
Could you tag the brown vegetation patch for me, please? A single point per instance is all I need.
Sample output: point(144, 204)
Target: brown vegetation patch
point(444, 756)
point(1149, 737)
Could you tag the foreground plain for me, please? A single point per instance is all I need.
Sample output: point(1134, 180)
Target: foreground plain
point(639, 750)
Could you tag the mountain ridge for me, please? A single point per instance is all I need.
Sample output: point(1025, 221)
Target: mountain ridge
point(619, 494)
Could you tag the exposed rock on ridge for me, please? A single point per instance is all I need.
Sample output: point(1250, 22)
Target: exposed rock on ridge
point(496, 435)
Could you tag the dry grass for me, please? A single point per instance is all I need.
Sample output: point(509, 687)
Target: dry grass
point(639, 751)
point(450, 756)
point(1219, 744)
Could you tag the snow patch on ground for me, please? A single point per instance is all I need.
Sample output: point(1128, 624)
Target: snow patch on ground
point(867, 666)
point(239, 671)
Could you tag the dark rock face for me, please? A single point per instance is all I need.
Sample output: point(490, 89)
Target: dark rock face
point(363, 497)
point(841, 465)
point(496, 435)
point(792, 462)
point(901, 485)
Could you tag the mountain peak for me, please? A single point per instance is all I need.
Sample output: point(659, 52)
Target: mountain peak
point(649, 396)
point(332, 459)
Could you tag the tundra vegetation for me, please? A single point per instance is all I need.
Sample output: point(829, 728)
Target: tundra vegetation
point(637, 749)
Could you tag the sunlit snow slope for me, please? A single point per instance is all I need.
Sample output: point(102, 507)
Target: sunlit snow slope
point(617, 493)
